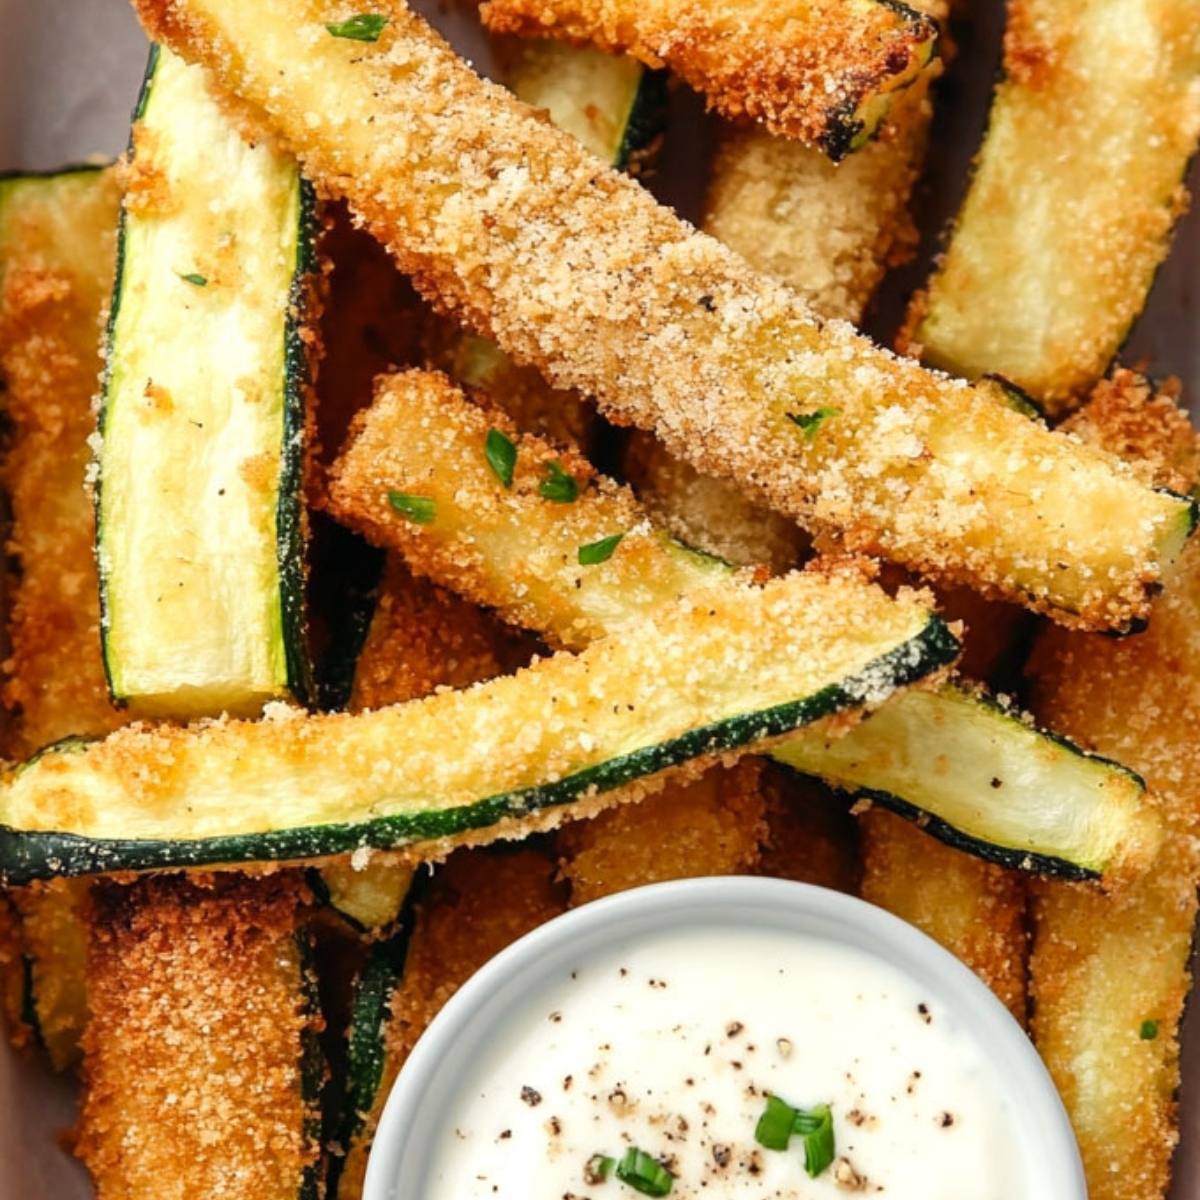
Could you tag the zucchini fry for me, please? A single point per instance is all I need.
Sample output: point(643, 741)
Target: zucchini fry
point(1109, 974)
point(810, 69)
point(711, 826)
point(199, 1054)
point(811, 836)
point(723, 670)
point(477, 904)
point(57, 250)
point(518, 551)
point(1045, 271)
point(975, 909)
point(576, 270)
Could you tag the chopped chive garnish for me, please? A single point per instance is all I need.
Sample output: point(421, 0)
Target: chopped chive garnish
point(501, 454)
point(558, 485)
point(194, 278)
point(599, 551)
point(364, 27)
point(1148, 1031)
point(643, 1173)
point(811, 422)
point(775, 1126)
point(418, 509)
point(598, 1168)
point(816, 1128)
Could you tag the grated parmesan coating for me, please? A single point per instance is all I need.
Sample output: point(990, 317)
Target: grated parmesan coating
point(973, 908)
point(477, 904)
point(57, 251)
point(816, 70)
point(1073, 196)
point(194, 1047)
point(575, 269)
point(1104, 964)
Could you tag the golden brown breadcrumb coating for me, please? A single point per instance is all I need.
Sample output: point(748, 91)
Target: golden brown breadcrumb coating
point(194, 1049)
point(12, 977)
point(477, 904)
point(973, 908)
point(711, 826)
point(575, 269)
point(56, 269)
point(807, 69)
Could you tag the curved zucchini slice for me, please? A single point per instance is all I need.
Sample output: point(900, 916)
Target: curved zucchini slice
point(1046, 271)
point(369, 898)
point(935, 753)
point(722, 671)
point(199, 511)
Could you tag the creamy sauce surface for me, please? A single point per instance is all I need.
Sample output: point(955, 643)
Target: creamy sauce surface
point(672, 1046)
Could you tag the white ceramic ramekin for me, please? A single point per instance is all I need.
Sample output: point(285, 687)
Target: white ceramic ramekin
point(427, 1090)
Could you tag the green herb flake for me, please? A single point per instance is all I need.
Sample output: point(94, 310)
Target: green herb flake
point(644, 1174)
point(418, 509)
point(599, 551)
point(815, 1126)
point(363, 27)
point(809, 423)
point(598, 1168)
point(558, 485)
point(194, 278)
point(776, 1125)
point(1148, 1031)
point(501, 453)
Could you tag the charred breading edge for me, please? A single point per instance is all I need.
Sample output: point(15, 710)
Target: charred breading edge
point(1076, 189)
point(198, 1053)
point(476, 905)
point(817, 70)
point(975, 909)
point(575, 269)
point(57, 252)
point(1110, 974)
point(517, 551)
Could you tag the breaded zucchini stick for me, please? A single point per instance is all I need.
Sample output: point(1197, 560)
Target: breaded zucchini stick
point(817, 70)
point(1109, 974)
point(520, 550)
point(199, 1069)
point(477, 904)
point(57, 248)
point(1046, 269)
point(575, 269)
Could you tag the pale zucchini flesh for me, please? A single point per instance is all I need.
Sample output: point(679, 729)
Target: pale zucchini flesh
point(199, 513)
point(722, 671)
point(934, 754)
point(728, 368)
point(1074, 195)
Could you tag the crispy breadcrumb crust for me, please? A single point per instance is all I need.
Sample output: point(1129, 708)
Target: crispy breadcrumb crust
point(477, 904)
point(12, 977)
point(1101, 967)
point(803, 68)
point(1073, 197)
point(711, 826)
point(575, 269)
point(195, 1042)
point(973, 908)
point(56, 272)
point(423, 638)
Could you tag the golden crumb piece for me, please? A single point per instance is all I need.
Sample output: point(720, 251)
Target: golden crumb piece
point(575, 269)
point(816, 70)
point(57, 249)
point(975, 909)
point(711, 826)
point(195, 1052)
point(13, 996)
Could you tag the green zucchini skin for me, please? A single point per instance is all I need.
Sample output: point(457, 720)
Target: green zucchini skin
point(30, 855)
point(289, 513)
point(314, 1071)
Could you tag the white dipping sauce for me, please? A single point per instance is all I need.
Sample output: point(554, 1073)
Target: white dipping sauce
point(672, 1045)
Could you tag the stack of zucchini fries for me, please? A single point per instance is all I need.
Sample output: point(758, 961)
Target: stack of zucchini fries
point(336, 663)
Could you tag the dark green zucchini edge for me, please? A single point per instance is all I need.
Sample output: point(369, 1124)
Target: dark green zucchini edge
point(26, 856)
point(289, 513)
point(365, 1046)
point(313, 1073)
point(646, 120)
